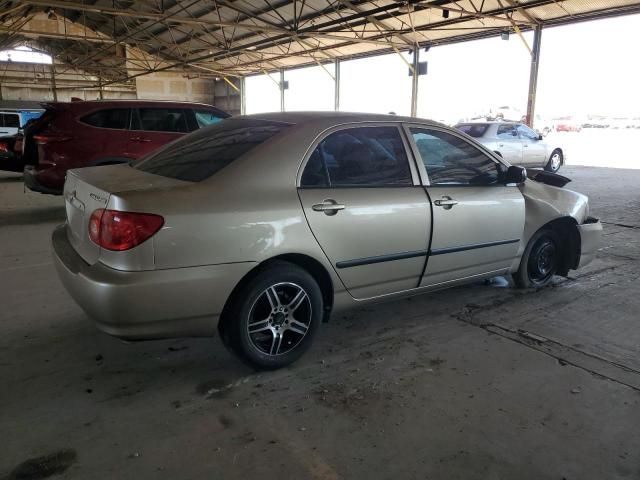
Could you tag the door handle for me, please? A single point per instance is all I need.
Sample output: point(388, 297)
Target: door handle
point(329, 207)
point(447, 202)
point(140, 139)
point(501, 144)
point(525, 145)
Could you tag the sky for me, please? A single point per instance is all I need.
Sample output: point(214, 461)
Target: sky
point(586, 68)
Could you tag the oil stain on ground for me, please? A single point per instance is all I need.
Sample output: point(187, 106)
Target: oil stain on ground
point(44, 467)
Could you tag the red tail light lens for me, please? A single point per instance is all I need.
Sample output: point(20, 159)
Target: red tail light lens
point(4, 148)
point(120, 231)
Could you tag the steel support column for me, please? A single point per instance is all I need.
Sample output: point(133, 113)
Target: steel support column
point(53, 82)
point(414, 81)
point(282, 89)
point(336, 81)
point(243, 96)
point(533, 75)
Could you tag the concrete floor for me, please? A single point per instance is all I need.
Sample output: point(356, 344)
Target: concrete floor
point(479, 382)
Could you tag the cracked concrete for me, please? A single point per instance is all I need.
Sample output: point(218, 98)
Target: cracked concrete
point(477, 382)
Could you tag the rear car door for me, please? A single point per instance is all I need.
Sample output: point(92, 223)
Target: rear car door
point(107, 141)
point(534, 152)
point(509, 143)
point(363, 202)
point(153, 127)
point(477, 220)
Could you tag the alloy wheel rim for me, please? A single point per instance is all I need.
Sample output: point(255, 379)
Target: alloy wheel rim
point(555, 161)
point(542, 264)
point(279, 318)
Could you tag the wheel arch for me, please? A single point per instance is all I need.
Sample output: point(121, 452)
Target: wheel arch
point(566, 228)
point(306, 262)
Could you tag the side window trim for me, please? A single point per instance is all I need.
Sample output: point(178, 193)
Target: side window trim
point(415, 176)
point(420, 163)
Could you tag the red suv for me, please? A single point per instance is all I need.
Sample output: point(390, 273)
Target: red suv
point(85, 134)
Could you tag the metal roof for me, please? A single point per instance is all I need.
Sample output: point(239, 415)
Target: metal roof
point(240, 37)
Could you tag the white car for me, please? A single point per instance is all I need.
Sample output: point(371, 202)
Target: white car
point(12, 121)
point(516, 143)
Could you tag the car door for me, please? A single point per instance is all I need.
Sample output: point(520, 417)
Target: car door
point(153, 127)
point(364, 204)
point(509, 143)
point(534, 151)
point(477, 220)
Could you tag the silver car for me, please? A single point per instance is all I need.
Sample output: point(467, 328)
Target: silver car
point(516, 143)
point(261, 226)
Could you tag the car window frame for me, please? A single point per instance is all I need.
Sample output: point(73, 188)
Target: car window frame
point(80, 118)
point(424, 176)
point(535, 137)
point(510, 137)
point(415, 177)
point(185, 112)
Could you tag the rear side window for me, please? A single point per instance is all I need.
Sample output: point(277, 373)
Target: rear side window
point(475, 130)
point(204, 118)
point(365, 156)
point(117, 118)
point(161, 120)
point(200, 155)
point(9, 120)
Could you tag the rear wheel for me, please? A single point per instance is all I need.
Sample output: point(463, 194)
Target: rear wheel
point(540, 261)
point(555, 161)
point(276, 316)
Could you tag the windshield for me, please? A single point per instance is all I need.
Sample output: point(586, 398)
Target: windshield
point(201, 154)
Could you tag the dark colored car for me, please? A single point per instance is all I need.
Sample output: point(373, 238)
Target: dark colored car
point(85, 134)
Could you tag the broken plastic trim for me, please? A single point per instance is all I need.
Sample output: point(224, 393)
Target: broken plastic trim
point(547, 178)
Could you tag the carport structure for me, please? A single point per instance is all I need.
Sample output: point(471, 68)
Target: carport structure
point(114, 42)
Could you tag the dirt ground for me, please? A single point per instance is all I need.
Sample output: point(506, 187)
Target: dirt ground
point(478, 382)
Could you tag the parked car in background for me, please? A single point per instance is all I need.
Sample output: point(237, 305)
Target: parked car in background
point(567, 124)
point(11, 121)
point(260, 226)
point(94, 133)
point(516, 143)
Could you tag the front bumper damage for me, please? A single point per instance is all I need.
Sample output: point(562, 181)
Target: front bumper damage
point(590, 235)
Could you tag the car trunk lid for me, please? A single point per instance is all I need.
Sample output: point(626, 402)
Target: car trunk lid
point(89, 189)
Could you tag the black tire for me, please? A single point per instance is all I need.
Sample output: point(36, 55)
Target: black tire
point(556, 160)
point(281, 329)
point(540, 260)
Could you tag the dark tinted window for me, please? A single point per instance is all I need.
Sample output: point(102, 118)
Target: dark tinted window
point(452, 160)
point(206, 151)
point(161, 120)
point(367, 156)
point(475, 130)
point(9, 120)
point(507, 131)
point(109, 118)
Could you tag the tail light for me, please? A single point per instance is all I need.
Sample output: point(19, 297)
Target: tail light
point(4, 148)
point(44, 139)
point(120, 231)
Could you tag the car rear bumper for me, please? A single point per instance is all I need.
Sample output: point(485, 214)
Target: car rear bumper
point(43, 180)
point(181, 302)
point(590, 236)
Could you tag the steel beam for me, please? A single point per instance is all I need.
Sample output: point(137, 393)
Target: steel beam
point(282, 89)
point(414, 81)
point(533, 75)
point(336, 83)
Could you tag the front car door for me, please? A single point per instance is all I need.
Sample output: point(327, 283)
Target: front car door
point(153, 127)
point(477, 220)
point(534, 151)
point(364, 204)
point(509, 143)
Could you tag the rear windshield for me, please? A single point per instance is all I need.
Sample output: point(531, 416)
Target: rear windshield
point(204, 152)
point(475, 130)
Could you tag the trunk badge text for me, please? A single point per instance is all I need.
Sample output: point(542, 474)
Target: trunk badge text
point(98, 198)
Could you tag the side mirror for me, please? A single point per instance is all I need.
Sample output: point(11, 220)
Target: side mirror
point(515, 175)
point(539, 136)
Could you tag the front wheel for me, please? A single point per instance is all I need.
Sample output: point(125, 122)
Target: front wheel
point(276, 316)
point(540, 261)
point(555, 161)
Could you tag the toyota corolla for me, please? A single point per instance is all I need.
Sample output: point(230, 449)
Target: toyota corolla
point(260, 226)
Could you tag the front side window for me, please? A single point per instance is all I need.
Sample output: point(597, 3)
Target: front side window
point(203, 153)
point(451, 160)
point(117, 118)
point(526, 132)
point(9, 120)
point(507, 131)
point(364, 156)
point(204, 118)
point(161, 120)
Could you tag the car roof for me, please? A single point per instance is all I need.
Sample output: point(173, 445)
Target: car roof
point(334, 117)
point(86, 104)
point(491, 122)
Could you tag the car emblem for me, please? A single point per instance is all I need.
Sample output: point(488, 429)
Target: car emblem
point(97, 198)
